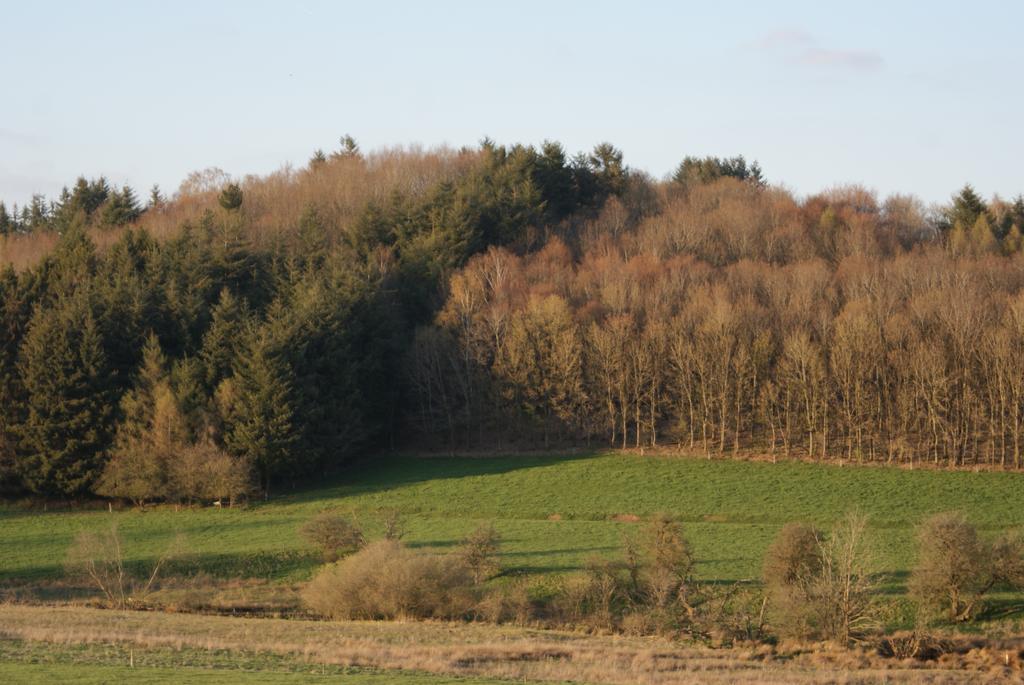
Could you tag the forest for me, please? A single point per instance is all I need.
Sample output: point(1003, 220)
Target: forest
point(246, 334)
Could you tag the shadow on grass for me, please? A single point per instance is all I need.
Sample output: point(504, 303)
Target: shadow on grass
point(263, 565)
point(385, 472)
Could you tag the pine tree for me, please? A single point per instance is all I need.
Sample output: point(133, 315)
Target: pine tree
point(349, 147)
point(65, 432)
point(231, 197)
point(312, 240)
point(966, 208)
point(260, 426)
point(122, 208)
point(6, 224)
point(156, 198)
point(317, 160)
point(12, 321)
point(39, 214)
point(138, 405)
point(229, 321)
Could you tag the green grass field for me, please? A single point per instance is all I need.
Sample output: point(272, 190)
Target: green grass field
point(553, 512)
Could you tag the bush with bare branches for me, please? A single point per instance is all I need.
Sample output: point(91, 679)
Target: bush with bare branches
point(334, 535)
point(479, 552)
point(98, 558)
point(821, 586)
point(956, 568)
point(386, 581)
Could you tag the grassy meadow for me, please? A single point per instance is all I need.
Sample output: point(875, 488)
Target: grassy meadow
point(554, 512)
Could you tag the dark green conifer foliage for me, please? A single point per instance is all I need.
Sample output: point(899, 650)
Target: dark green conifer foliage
point(122, 208)
point(261, 420)
point(231, 197)
point(229, 321)
point(317, 160)
point(81, 202)
point(148, 427)
point(138, 404)
point(6, 223)
point(310, 249)
point(65, 431)
point(14, 314)
point(38, 214)
point(966, 208)
point(606, 161)
point(697, 170)
point(156, 198)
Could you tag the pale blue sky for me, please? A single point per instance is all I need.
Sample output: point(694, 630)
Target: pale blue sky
point(901, 96)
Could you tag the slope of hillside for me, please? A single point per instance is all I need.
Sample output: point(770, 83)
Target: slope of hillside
point(554, 512)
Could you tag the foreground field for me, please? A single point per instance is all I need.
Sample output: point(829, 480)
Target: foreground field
point(553, 512)
point(91, 663)
point(60, 644)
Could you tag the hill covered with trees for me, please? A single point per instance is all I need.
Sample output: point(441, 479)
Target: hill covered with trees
point(274, 327)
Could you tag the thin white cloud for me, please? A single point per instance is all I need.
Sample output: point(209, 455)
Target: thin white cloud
point(784, 38)
point(17, 136)
point(801, 48)
point(864, 60)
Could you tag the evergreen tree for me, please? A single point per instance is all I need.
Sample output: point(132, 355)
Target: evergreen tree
point(138, 405)
point(349, 147)
point(317, 160)
point(64, 433)
point(6, 224)
point(967, 206)
point(231, 197)
point(156, 198)
point(606, 160)
point(261, 420)
point(229, 321)
point(81, 202)
point(39, 214)
point(122, 208)
point(14, 312)
point(150, 430)
point(312, 240)
point(695, 170)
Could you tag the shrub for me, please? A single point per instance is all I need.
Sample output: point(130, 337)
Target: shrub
point(597, 597)
point(515, 602)
point(479, 552)
point(335, 536)
point(668, 563)
point(205, 473)
point(956, 568)
point(134, 473)
point(385, 580)
point(393, 526)
point(98, 559)
point(791, 566)
point(819, 586)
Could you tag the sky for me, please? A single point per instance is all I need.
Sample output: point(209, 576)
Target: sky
point(899, 96)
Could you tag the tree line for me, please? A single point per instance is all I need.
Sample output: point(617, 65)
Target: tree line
point(259, 331)
point(725, 316)
point(214, 358)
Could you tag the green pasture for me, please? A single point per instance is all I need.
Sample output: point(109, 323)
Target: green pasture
point(554, 512)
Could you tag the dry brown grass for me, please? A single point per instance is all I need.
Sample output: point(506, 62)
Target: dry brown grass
point(504, 652)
